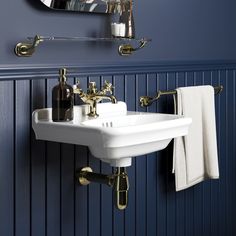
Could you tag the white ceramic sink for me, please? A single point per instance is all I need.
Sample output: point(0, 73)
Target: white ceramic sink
point(116, 135)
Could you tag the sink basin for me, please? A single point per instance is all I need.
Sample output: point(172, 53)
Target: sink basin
point(116, 135)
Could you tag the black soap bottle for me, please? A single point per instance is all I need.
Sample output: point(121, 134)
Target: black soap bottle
point(62, 99)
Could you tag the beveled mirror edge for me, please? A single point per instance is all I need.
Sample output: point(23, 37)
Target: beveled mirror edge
point(86, 6)
point(96, 6)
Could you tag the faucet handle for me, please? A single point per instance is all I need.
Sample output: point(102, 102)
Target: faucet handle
point(77, 83)
point(76, 87)
point(107, 87)
point(92, 84)
point(92, 88)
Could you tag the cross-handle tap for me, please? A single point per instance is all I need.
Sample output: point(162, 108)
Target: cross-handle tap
point(93, 96)
point(107, 88)
point(92, 88)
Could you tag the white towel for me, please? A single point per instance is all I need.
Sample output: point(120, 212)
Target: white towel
point(195, 155)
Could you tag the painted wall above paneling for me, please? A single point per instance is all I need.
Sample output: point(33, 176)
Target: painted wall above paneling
point(180, 30)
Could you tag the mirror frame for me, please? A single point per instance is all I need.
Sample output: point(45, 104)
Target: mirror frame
point(89, 6)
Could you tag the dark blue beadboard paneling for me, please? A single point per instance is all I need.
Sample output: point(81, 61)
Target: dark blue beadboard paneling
point(22, 157)
point(40, 197)
point(53, 174)
point(130, 226)
point(151, 180)
point(141, 168)
point(38, 167)
point(7, 158)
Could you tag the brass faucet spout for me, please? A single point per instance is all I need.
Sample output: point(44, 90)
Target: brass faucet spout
point(109, 97)
point(113, 99)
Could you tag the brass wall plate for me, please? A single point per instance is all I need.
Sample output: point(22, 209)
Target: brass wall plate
point(24, 50)
point(125, 49)
point(80, 175)
point(27, 49)
point(128, 49)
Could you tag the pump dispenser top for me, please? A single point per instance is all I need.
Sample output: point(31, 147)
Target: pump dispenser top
point(62, 75)
point(62, 99)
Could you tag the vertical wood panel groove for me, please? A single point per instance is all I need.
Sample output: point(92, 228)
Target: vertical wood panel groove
point(219, 135)
point(60, 170)
point(46, 175)
point(234, 138)
point(14, 156)
point(21, 157)
point(146, 185)
point(46, 162)
point(30, 151)
point(226, 151)
point(74, 193)
point(135, 183)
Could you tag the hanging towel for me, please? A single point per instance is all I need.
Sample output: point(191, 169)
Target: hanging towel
point(195, 155)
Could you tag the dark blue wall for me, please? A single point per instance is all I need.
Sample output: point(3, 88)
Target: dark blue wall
point(193, 44)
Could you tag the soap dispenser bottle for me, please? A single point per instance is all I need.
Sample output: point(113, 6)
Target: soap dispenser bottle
point(62, 99)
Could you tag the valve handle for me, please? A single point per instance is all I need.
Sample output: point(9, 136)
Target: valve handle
point(107, 87)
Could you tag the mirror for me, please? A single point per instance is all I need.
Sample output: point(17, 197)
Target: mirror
point(97, 6)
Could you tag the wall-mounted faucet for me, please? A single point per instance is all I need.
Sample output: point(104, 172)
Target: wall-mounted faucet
point(93, 96)
point(118, 181)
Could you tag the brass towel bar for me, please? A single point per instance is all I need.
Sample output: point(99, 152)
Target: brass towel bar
point(147, 101)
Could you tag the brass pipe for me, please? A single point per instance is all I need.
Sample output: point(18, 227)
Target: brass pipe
point(118, 181)
point(120, 188)
point(146, 101)
point(86, 175)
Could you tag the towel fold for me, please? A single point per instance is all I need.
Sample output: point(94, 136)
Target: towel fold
point(195, 156)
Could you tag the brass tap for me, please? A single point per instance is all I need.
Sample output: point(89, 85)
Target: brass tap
point(93, 96)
